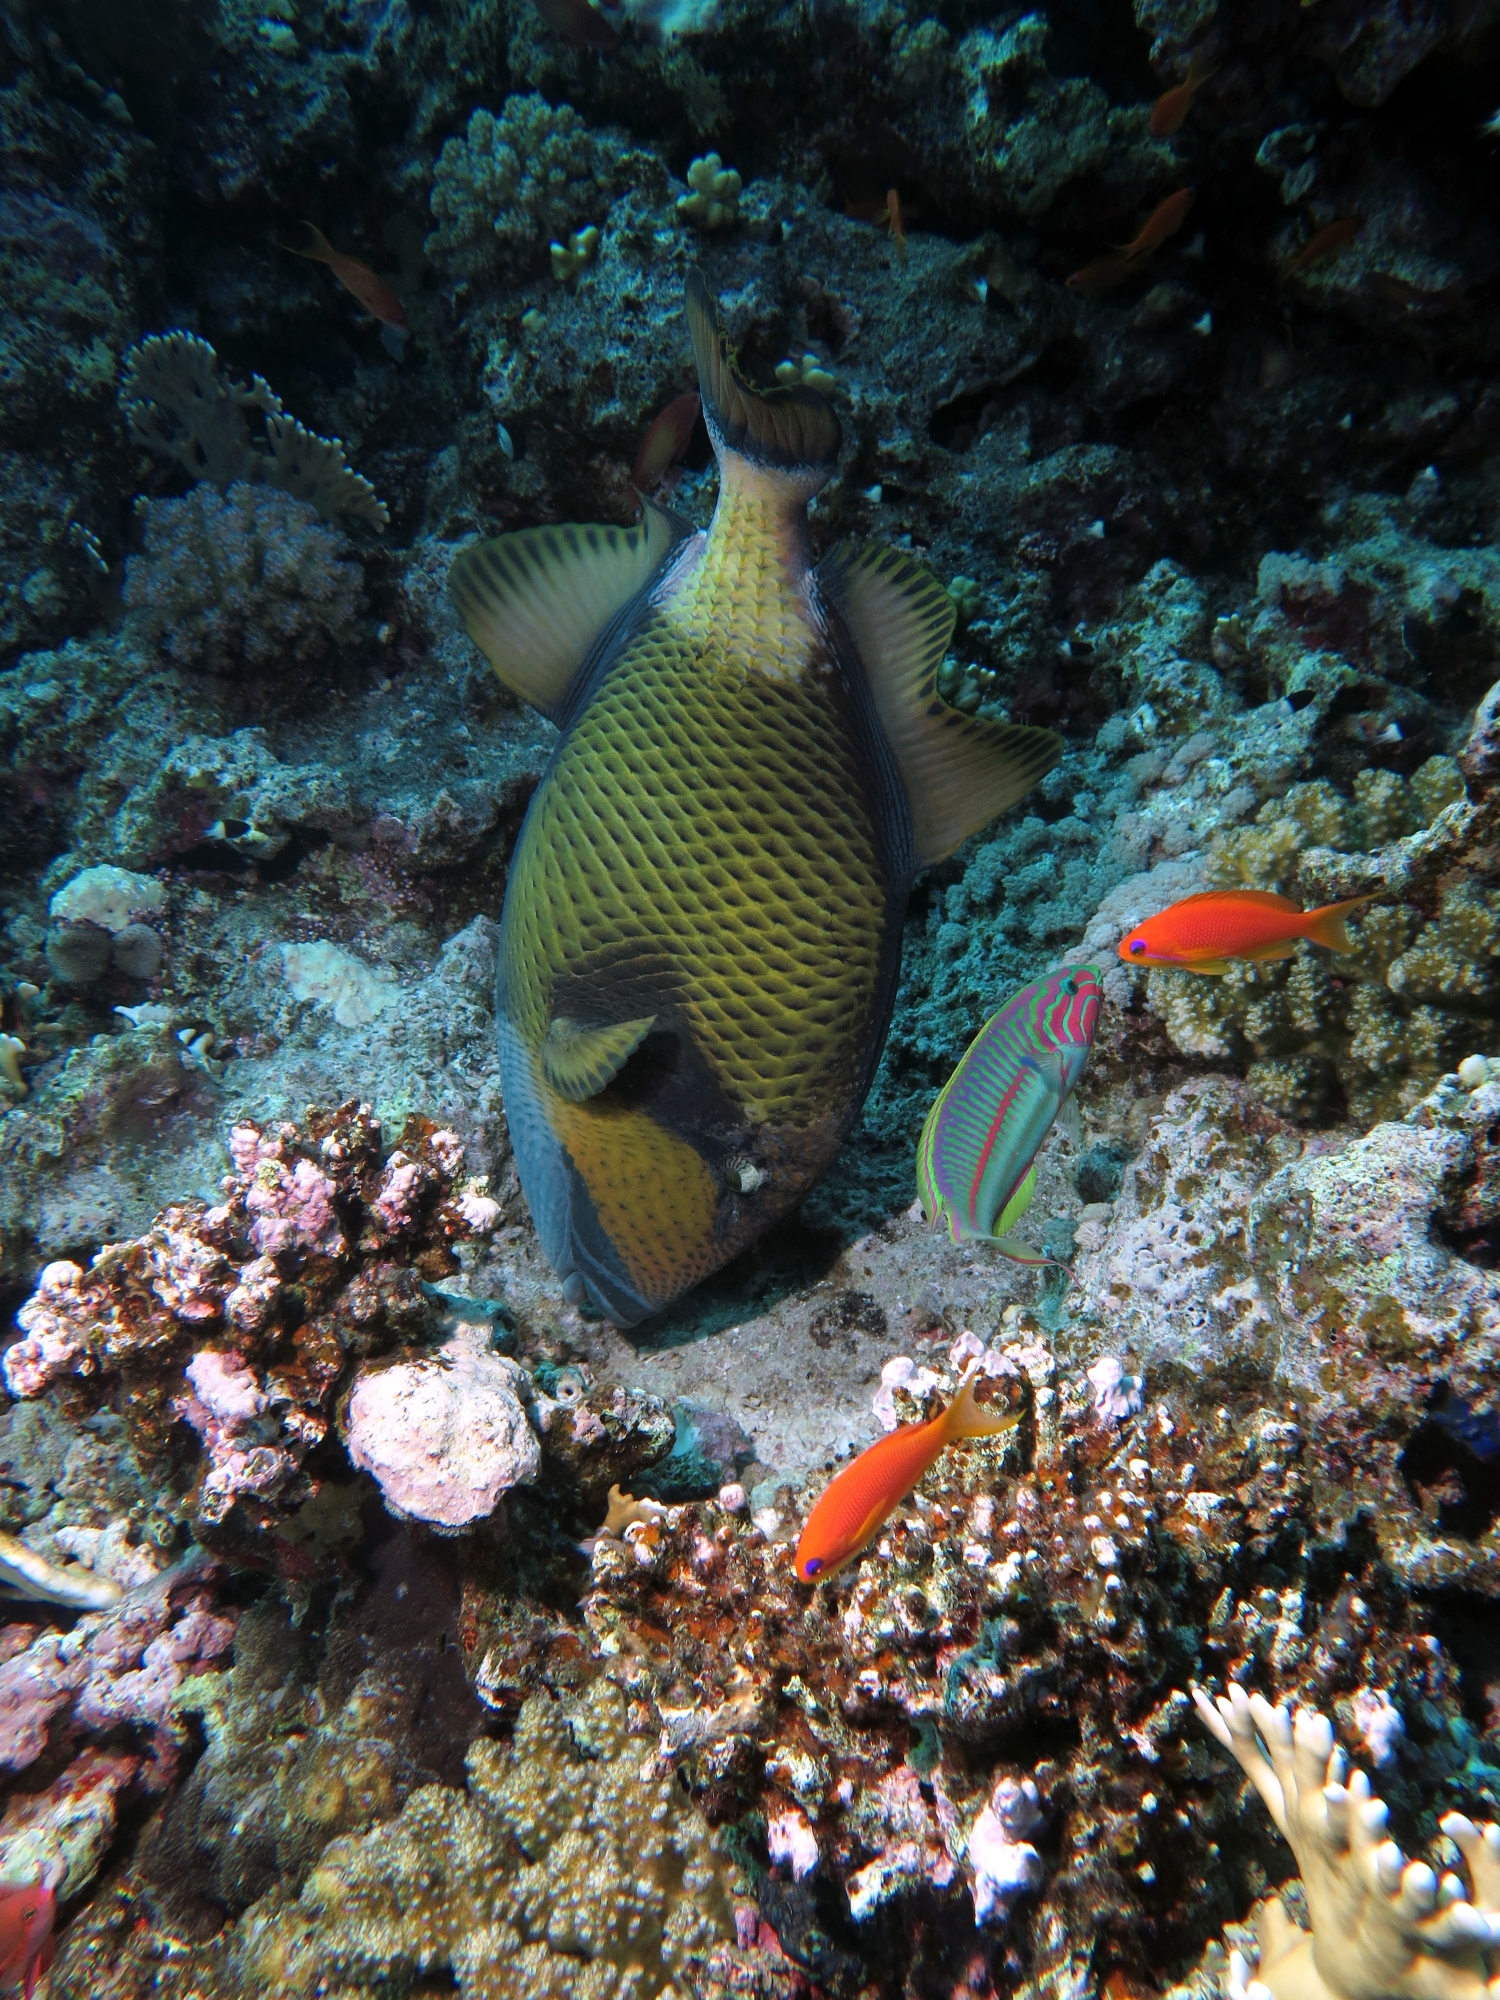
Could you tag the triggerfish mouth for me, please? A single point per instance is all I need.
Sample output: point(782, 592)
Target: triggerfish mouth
point(702, 923)
point(975, 1159)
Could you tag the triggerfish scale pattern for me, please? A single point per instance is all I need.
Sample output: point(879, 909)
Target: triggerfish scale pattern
point(975, 1160)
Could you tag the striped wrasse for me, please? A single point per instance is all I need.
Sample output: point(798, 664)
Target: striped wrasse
point(975, 1159)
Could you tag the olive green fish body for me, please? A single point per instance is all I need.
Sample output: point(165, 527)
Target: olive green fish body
point(701, 932)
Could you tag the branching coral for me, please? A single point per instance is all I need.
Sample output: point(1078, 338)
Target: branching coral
point(1376, 1027)
point(513, 184)
point(245, 579)
point(566, 1869)
point(1381, 1926)
point(177, 403)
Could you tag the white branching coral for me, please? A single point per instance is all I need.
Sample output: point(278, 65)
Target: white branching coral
point(1383, 1927)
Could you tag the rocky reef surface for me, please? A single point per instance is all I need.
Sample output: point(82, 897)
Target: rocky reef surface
point(383, 1625)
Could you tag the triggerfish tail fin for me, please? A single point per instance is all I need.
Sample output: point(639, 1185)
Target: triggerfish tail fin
point(534, 602)
point(579, 1059)
point(785, 430)
point(959, 770)
point(1326, 926)
point(967, 1417)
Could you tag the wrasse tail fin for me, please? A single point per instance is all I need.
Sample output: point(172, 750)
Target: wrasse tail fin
point(967, 1417)
point(783, 429)
point(1326, 926)
point(579, 1058)
point(959, 771)
point(535, 601)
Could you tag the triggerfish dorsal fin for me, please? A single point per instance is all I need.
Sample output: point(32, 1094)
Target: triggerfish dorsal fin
point(535, 601)
point(959, 770)
point(792, 429)
point(579, 1058)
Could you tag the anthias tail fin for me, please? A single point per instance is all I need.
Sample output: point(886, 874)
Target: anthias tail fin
point(967, 1417)
point(580, 1058)
point(534, 602)
point(1326, 926)
point(790, 429)
point(959, 771)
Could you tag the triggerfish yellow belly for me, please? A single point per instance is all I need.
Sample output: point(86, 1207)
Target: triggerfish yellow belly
point(848, 1514)
point(975, 1159)
point(701, 933)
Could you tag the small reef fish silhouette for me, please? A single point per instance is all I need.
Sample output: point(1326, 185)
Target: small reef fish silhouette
point(1169, 110)
point(849, 1513)
point(976, 1157)
point(702, 924)
point(26, 1575)
point(579, 24)
point(1317, 249)
point(28, 1912)
point(666, 441)
point(371, 290)
point(1203, 933)
point(1112, 269)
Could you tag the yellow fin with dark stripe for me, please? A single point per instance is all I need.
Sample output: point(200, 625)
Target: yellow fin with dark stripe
point(959, 770)
point(790, 429)
point(535, 601)
point(579, 1058)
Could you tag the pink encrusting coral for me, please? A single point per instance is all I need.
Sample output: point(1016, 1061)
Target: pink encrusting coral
point(292, 1201)
point(54, 1325)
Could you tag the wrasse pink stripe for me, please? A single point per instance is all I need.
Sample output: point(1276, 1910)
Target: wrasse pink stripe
point(994, 1133)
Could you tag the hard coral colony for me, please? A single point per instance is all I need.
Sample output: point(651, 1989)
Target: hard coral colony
point(750, 1010)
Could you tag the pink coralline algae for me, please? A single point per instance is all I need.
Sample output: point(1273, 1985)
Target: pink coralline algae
point(114, 1668)
point(1004, 1862)
point(1116, 1394)
point(244, 1319)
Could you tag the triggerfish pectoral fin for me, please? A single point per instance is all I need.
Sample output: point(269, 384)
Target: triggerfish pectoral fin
point(535, 602)
point(959, 770)
point(579, 1059)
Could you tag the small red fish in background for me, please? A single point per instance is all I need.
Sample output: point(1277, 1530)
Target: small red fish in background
point(666, 441)
point(579, 24)
point(1202, 933)
point(1104, 273)
point(897, 221)
point(848, 1513)
point(1169, 110)
point(1336, 234)
point(1164, 220)
point(28, 1911)
point(372, 291)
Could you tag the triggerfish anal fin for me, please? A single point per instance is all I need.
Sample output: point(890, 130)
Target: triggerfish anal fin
point(535, 601)
point(580, 1058)
point(959, 771)
point(784, 428)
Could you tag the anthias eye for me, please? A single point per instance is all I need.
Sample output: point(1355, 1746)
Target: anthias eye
point(812, 1566)
point(1137, 944)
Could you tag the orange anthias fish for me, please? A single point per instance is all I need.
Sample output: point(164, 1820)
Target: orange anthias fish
point(1102, 275)
point(848, 1514)
point(666, 441)
point(372, 291)
point(579, 24)
point(1169, 110)
point(1164, 220)
point(1202, 933)
point(896, 220)
point(28, 1910)
point(1333, 237)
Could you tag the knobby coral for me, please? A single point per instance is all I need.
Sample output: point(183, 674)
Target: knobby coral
point(178, 404)
point(1382, 1926)
point(247, 578)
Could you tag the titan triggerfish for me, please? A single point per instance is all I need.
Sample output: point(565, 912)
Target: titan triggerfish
point(976, 1157)
point(702, 923)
